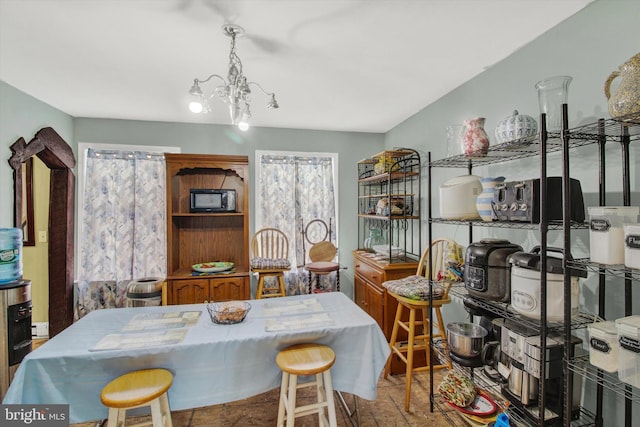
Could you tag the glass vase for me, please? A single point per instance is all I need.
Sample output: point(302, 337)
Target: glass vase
point(552, 93)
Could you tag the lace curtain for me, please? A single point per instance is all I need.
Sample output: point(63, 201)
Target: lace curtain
point(292, 191)
point(123, 228)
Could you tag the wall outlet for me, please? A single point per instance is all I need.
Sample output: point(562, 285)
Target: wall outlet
point(40, 329)
point(42, 236)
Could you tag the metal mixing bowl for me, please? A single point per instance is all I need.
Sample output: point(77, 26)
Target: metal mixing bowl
point(465, 339)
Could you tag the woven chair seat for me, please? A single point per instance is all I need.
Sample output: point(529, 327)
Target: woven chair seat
point(413, 287)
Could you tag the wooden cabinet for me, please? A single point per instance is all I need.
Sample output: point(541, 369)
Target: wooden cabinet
point(373, 298)
point(196, 237)
point(199, 290)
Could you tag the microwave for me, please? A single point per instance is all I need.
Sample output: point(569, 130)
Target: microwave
point(212, 200)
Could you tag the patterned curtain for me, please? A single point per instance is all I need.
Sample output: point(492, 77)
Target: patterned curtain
point(124, 226)
point(292, 191)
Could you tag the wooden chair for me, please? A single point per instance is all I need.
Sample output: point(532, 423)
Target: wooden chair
point(147, 387)
point(321, 256)
point(270, 258)
point(417, 326)
point(306, 359)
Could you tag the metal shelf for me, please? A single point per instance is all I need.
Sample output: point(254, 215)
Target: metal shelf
point(552, 225)
point(619, 271)
point(578, 320)
point(610, 381)
point(611, 129)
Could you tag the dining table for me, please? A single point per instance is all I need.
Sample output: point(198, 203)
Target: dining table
point(211, 363)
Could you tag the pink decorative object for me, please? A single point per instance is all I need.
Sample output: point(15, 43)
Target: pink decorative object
point(475, 141)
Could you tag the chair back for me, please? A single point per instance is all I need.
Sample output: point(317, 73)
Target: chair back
point(442, 253)
point(322, 249)
point(270, 243)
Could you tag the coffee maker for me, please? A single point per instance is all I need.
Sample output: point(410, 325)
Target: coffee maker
point(521, 367)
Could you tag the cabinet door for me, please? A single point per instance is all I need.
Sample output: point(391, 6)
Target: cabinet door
point(370, 299)
point(189, 291)
point(228, 288)
point(374, 299)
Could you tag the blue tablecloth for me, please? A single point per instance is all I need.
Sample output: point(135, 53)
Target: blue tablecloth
point(213, 364)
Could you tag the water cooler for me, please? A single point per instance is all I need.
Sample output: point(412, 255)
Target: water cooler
point(15, 329)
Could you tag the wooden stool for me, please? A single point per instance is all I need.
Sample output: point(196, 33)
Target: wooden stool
point(306, 359)
point(147, 387)
point(272, 291)
point(405, 351)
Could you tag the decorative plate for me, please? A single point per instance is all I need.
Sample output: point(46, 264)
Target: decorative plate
point(212, 267)
point(482, 405)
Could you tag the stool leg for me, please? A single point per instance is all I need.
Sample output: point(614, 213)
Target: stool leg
point(283, 292)
point(412, 333)
point(283, 398)
point(426, 334)
point(328, 389)
point(116, 417)
point(443, 332)
point(156, 413)
point(321, 399)
point(338, 280)
point(260, 286)
point(291, 400)
point(166, 411)
point(392, 342)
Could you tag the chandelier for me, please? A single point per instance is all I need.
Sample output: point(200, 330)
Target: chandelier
point(234, 90)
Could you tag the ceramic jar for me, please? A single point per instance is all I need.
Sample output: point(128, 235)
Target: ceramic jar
point(484, 202)
point(475, 141)
point(516, 127)
point(625, 99)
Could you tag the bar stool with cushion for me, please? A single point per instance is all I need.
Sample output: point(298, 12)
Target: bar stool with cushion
point(303, 360)
point(147, 387)
point(412, 294)
point(270, 258)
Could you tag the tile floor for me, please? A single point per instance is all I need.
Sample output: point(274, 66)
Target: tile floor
point(262, 410)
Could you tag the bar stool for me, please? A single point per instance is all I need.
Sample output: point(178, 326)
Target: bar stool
point(306, 359)
point(147, 387)
point(412, 293)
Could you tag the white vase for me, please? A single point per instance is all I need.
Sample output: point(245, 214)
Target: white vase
point(484, 202)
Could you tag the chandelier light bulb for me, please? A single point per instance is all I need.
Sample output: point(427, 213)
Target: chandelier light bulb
point(195, 107)
point(243, 126)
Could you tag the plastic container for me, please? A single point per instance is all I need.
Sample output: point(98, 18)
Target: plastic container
point(629, 352)
point(10, 255)
point(603, 345)
point(632, 245)
point(145, 292)
point(606, 235)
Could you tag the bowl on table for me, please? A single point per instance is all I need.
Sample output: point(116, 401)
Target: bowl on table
point(228, 312)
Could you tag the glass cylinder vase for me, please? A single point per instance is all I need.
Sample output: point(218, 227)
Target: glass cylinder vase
point(552, 93)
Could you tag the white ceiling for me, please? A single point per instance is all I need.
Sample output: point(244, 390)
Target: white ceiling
point(348, 65)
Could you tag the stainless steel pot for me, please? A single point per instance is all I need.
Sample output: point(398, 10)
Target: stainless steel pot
point(465, 339)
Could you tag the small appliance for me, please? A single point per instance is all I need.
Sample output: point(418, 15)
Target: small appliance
point(526, 288)
point(520, 201)
point(212, 200)
point(458, 197)
point(487, 274)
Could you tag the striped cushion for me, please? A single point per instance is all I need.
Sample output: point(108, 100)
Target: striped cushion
point(413, 287)
point(268, 263)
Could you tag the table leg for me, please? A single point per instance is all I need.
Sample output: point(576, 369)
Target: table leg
point(350, 412)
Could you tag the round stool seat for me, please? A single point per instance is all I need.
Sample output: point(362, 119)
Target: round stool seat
point(306, 359)
point(136, 388)
point(322, 266)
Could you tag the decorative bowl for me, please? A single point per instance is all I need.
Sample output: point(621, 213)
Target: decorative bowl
point(228, 312)
point(516, 127)
point(212, 267)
